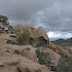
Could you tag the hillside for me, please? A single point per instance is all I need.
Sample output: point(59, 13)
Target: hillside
point(66, 44)
point(30, 50)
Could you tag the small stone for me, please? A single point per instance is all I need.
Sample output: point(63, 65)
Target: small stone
point(1, 65)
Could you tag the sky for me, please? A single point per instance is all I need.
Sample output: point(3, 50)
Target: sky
point(54, 15)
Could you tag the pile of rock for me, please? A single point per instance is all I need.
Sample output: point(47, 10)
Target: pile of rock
point(23, 58)
point(15, 58)
point(39, 33)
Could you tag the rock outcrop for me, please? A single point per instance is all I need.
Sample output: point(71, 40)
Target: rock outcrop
point(26, 51)
point(23, 58)
point(16, 58)
point(35, 33)
point(63, 51)
point(40, 32)
point(29, 66)
point(55, 58)
point(14, 62)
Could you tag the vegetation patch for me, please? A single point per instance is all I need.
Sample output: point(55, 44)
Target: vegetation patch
point(51, 47)
point(23, 36)
point(34, 41)
point(65, 65)
point(44, 58)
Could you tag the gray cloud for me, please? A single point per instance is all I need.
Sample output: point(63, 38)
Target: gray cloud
point(53, 15)
point(23, 9)
point(58, 17)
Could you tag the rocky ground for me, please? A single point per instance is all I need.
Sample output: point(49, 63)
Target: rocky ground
point(15, 58)
point(23, 58)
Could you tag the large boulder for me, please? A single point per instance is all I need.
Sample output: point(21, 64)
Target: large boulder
point(55, 58)
point(27, 51)
point(35, 33)
point(62, 51)
point(40, 32)
point(8, 62)
point(17, 63)
point(9, 69)
point(26, 65)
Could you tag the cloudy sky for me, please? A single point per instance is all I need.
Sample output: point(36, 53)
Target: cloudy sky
point(54, 15)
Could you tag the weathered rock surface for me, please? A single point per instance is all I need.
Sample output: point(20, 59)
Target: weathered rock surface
point(27, 51)
point(63, 51)
point(40, 32)
point(55, 58)
point(35, 33)
point(16, 63)
point(16, 58)
point(9, 62)
point(69, 49)
point(29, 66)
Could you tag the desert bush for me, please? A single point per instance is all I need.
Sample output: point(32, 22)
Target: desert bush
point(51, 47)
point(65, 65)
point(34, 41)
point(62, 54)
point(23, 36)
point(44, 58)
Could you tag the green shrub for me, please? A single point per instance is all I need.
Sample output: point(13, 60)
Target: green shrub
point(34, 41)
point(44, 58)
point(23, 36)
point(17, 31)
point(65, 65)
point(51, 47)
point(62, 54)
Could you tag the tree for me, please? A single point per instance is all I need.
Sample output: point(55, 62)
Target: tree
point(4, 19)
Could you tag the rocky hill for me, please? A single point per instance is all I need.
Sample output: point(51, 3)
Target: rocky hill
point(63, 42)
point(66, 44)
point(30, 50)
point(15, 58)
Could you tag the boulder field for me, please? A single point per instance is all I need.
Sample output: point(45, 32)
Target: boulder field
point(15, 58)
point(23, 58)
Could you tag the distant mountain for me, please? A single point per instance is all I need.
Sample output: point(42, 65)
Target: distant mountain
point(63, 43)
point(70, 38)
point(60, 40)
point(54, 39)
